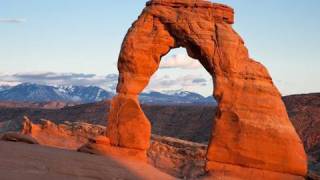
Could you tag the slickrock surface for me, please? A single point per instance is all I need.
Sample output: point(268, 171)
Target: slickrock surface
point(18, 137)
point(34, 162)
point(252, 129)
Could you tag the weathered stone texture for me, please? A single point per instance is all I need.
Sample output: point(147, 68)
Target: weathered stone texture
point(252, 128)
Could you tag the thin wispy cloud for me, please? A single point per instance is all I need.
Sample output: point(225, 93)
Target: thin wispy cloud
point(12, 20)
point(180, 61)
point(107, 82)
point(184, 82)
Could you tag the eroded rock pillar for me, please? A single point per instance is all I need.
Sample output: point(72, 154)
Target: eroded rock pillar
point(253, 137)
point(139, 58)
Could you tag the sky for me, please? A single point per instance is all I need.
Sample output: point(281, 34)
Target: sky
point(78, 42)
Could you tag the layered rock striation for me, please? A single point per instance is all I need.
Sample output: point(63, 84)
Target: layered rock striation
point(252, 135)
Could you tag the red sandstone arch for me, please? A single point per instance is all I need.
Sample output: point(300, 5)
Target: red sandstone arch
point(252, 132)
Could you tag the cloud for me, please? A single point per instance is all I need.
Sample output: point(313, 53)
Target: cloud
point(12, 20)
point(199, 81)
point(50, 78)
point(186, 82)
point(53, 76)
point(180, 61)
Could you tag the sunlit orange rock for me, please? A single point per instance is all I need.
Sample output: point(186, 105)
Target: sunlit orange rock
point(128, 126)
point(65, 136)
point(113, 151)
point(101, 145)
point(252, 127)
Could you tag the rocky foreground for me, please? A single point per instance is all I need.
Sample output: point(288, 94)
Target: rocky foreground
point(173, 157)
point(179, 158)
point(33, 162)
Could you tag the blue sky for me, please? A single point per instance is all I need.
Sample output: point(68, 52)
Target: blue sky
point(80, 37)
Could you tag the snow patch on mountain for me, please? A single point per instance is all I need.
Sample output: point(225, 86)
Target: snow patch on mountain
point(43, 93)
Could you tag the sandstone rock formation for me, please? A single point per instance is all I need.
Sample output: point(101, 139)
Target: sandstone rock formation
point(179, 158)
point(252, 132)
point(67, 136)
point(182, 159)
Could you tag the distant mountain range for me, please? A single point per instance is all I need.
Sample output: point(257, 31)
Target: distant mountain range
point(28, 92)
point(176, 97)
point(42, 93)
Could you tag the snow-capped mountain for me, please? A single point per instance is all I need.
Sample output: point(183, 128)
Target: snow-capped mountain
point(44, 93)
point(176, 97)
point(28, 92)
point(85, 94)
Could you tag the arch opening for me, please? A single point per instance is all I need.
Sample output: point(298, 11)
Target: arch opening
point(184, 106)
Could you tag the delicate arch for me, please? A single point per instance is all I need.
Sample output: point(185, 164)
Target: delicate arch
point(252, 128)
